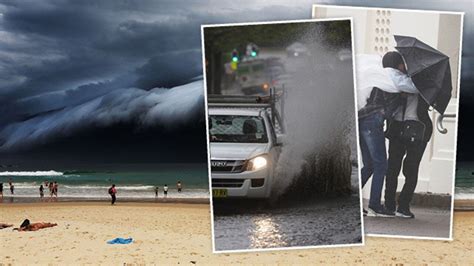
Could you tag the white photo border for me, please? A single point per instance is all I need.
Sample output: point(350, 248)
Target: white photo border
point(208, 142)
point(450, 238)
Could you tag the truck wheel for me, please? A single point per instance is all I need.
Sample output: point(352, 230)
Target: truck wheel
point(272, 200)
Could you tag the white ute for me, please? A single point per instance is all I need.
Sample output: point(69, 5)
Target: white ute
point(244, 145)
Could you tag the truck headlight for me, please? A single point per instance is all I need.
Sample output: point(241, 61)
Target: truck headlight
point(257, 163)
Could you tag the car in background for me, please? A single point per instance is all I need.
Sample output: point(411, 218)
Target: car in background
point(253, 78)
point(297, 49)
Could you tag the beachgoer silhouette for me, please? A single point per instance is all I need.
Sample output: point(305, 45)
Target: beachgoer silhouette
point(112, 192)
point(27, 226)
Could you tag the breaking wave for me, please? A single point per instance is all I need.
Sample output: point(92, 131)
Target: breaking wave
point(31, 173)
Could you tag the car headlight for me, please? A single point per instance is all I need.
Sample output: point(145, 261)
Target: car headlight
point(257, 163)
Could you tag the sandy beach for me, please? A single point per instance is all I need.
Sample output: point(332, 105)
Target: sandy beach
point(179, 233)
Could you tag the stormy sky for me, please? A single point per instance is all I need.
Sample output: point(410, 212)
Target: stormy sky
point(109, 81)
point(120, 81)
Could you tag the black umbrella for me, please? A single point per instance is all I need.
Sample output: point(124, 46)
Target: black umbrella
point(429, 69)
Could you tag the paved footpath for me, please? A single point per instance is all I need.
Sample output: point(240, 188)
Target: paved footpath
point(428, 222)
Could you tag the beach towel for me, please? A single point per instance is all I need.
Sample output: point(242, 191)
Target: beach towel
point(120, 240)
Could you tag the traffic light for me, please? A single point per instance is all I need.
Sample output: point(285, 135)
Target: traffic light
point(254, 50)
point(251, 50)
point(235, 56)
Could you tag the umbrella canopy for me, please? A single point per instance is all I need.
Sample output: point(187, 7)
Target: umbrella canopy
point(429, 69)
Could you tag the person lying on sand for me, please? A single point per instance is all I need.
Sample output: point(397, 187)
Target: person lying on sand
point(3, 226)
point(27, 226)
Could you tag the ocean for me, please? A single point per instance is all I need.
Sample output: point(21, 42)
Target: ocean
point(136, 184)
point(140, 184)
point(464, 180)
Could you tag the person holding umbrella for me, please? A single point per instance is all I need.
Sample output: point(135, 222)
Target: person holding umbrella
point(385, 80)
point(411, 127)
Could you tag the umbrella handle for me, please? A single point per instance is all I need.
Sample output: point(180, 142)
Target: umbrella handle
point(440, 126)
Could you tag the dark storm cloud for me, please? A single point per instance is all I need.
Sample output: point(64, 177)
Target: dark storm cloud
point(170, 69)
point(58, 45)
point(66, 66)
point(70, 66)
point(170, 108)
point(53, 19)
point(152, 37)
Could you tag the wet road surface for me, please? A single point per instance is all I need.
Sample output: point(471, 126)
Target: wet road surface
point(242, 225)
point(249, 225)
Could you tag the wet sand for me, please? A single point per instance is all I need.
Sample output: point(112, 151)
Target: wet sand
point(464, 204)
point(181, 233)
point(9, 199)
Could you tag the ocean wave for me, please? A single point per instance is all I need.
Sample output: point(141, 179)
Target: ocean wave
point(69, 175)
point(464, 196)
point(106, 187)
point(464, 193)
point(126, 196)
point(78, 172)
point(97, 192)
point(69, 187)
point(31, 173)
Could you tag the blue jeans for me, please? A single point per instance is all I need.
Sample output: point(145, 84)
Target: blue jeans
point(374, 155)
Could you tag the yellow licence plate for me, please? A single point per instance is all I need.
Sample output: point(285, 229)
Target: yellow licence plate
point(219, 193)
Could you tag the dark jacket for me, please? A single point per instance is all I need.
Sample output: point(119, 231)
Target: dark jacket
point(395, 127)
point(380, 101)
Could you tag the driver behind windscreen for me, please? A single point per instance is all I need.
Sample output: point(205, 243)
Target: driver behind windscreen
point(249, 129)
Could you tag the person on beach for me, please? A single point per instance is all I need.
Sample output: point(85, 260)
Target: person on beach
point(3, 226)
point(55, 189)
point(50, 187)
point(165, 190)
point(112, 192)
point(156, 192)
point(41, 190)
point(385, 88)
point(12, 187)
point(1, 190)
point(27, 226)
point(179, 186)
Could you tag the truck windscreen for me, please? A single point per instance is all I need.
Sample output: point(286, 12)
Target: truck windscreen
point(240, 129)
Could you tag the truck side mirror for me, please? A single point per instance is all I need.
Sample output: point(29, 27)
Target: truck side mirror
point(280, 139)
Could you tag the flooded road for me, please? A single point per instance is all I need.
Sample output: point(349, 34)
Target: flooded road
point(318, 100)
point(245, 225)
point(250, 224)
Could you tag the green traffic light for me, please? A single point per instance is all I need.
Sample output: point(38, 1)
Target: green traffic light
point(253, 53)
point(235, 59)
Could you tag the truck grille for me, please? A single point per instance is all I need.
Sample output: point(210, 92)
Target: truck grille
point(233, 182)
point(228, 166)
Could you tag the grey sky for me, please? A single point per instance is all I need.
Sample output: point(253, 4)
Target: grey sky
point(56, 55)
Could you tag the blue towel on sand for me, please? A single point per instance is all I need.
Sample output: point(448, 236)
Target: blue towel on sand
point(120, 240)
